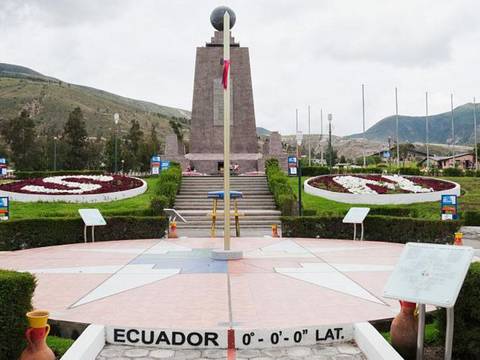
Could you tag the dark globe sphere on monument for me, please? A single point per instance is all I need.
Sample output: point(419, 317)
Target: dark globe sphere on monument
point(216, 18)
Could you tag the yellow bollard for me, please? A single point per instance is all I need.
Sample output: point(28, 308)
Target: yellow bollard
point(275, 231)
point(172, 234)
point(458, 239)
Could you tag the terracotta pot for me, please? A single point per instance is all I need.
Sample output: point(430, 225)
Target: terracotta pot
point(37, 348)
point(403, 331)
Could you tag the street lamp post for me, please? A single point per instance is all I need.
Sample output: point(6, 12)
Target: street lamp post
point(55, 153)
point(426, 131)
point(363, 118)
point(299, 171)
point(396, 126)
point(309, 140)
point(453, 130)
point(330, 148)
point(475, 133)
point(116, 119)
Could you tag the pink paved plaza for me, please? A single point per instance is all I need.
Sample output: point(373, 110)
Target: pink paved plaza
point(174, 283)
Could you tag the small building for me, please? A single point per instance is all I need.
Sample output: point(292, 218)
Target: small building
point(462, 161)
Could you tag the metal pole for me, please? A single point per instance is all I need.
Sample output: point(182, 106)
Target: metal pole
point(321, 136)
point(396, 117)
point(363, 117)
point(299, 175)
point(475, 133)
point(426, 130)
point(226, 134)
point(115, 140)
point(421, 331)
point(453, 130)
point(449, 334)
point(54, 153)
point(330, 148)
point(309, 140)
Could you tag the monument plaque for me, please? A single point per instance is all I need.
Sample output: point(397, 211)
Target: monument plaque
point(429, 274)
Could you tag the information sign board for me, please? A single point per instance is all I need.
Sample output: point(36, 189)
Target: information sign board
point(155, 163)
point(356, 215)
point(164, 165)
point(92, 217)
point(429, 274)
point(3, 167)
point(449, 207)
point(292, 166)
point(4, 209)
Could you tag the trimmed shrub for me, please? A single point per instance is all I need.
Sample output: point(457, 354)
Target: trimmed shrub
point(452, 172)
point(20, 175)
point(368, 170)
point(377, 228)
point(472, 218)
point(394, 211)
point(157, 204)
point(32, 233)
point(169, 183)
point(466, 337)
point(16, 291)
point(283, 194)
point(315, 170)
point(309, 212)
point(409, 171)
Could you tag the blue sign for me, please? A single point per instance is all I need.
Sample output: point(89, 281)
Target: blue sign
point(3, 167)
point(4, 209)
point(155, 163)
point(386, 154)
point(164, 165)
point(449, 207)
point(292, 166)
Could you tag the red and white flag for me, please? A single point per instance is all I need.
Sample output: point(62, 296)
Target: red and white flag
point(226, 67)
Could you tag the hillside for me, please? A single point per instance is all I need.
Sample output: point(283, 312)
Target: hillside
point(49, 101)
point(412, 128)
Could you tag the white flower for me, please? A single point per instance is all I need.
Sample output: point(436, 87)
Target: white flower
point(356, 185)
point(407, 185)
point(76, 187)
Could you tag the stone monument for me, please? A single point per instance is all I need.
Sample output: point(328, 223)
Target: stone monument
point(206, 138)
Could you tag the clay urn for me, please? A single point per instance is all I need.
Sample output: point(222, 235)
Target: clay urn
point(403, 331)
point(36, 336)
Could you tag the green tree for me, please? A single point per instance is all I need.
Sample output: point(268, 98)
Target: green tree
point(76, 138)
point(133, 144)
point(19, 134)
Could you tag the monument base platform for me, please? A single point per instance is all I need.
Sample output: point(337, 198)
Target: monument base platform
point(175, 284)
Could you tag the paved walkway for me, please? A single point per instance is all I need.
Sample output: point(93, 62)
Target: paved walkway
point(471, 237)
point(174, 284)
point(344, 351)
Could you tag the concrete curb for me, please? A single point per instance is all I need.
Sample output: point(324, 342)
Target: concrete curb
point(88, 345)
point(372, 344)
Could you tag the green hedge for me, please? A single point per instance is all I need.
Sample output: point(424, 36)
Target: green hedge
point(31, 233)
point(394, 211)
point(282, 191)
point(169, 183)
point(453, 172)
point(377, 228)
point(16, 291)
point(41, 174)
point(466, 336)
point(472, 218)
point(315, 170)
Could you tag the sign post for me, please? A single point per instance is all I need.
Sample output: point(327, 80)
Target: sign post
point(91, 217)
point(449, 207)
point(155, 165)
point(299, 171)
point(356, 215)
point(4, 208)
point(430, 274)
point(3, 167)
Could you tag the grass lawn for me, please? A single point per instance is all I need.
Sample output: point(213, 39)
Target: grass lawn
point(470, 200)
point(59, 345)
point(21, 210)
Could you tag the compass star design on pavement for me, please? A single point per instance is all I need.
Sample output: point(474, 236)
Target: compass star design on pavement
point(166, 259)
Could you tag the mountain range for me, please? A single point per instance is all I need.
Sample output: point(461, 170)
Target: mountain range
point(50, 100)
point(413, 128)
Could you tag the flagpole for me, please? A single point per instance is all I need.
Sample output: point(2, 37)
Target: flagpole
point(226, 132)
point(426, 130)
point(475, 132)
point(309, 140)
point(453, 130)
point(363, 116)
point(396, 117)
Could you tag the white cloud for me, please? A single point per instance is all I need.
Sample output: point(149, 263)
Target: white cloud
point(302, 52)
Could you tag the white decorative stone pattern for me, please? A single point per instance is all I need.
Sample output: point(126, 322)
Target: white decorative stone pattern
point(381, 199)
point(76, 198)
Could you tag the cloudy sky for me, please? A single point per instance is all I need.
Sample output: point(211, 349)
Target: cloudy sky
point(302, 52)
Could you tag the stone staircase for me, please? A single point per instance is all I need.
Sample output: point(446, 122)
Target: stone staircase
point(257, 205)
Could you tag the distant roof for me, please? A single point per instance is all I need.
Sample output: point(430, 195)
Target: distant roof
point(442, 158)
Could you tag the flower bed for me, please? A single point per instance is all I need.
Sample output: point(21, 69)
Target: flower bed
point(74, 188)
point(380, 189)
